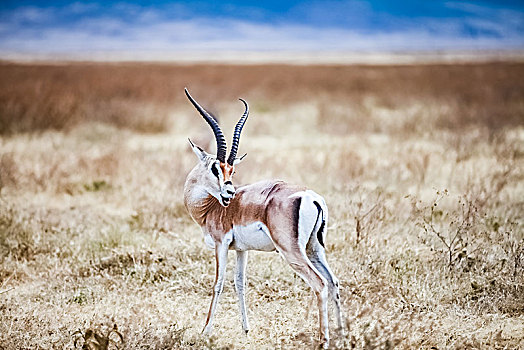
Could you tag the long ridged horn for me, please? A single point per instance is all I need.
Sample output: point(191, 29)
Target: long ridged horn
point(219, 135)
point(236, 135)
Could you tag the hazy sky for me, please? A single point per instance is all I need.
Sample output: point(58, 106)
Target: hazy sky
point(166, 26)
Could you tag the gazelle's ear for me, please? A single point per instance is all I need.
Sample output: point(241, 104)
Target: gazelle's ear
point(239, 160)
point(200, 153)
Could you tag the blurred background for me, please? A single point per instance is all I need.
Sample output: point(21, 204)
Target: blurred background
point(408, 117)
point(210, 31)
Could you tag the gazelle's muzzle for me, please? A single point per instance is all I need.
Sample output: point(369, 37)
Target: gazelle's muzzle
point(227, 193)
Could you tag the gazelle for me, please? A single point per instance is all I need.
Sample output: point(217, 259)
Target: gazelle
point(264, 216)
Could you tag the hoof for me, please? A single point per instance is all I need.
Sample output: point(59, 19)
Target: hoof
point(206, 332)
point(324, 344)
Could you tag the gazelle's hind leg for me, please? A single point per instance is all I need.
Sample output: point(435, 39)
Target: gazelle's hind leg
point(317, 255)
point(301, 264)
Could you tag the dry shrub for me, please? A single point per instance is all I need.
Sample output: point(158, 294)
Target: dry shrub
point(369, 212)
point(95, 339)
point(456, 230)
point(472, 241)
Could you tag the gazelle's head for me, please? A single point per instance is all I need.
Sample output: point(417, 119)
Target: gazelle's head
point(217, 173)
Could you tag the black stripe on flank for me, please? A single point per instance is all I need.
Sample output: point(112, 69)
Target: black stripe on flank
point(296, 214)
point(320, 232)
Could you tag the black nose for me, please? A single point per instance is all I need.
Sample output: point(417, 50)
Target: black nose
point(230, 192)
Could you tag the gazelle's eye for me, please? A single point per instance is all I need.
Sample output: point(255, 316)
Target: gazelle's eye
point(214, 170)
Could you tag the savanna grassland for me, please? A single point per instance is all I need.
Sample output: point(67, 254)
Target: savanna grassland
point(422, 168)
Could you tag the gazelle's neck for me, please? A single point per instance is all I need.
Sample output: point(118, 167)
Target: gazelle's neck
point(198, 201)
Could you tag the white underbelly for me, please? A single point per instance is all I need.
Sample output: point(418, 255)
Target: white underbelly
point(254, 236)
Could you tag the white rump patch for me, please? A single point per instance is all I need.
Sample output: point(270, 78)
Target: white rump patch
point(309, 219)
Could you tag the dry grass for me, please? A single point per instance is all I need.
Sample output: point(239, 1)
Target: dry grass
point(421, 166)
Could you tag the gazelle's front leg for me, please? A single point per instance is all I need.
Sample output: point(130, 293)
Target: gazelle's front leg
point(240, 286)
point(221, 250)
